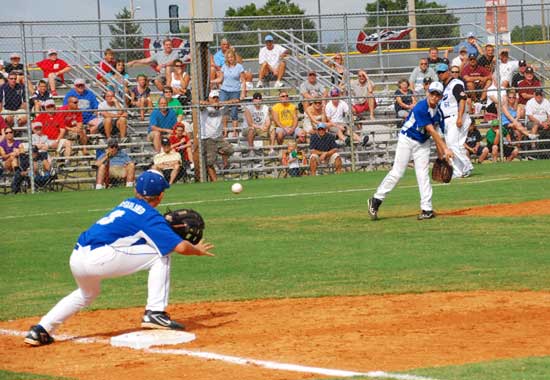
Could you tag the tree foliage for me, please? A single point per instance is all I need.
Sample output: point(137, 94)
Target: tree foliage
point(127, 35)
point(271, 8)
point(432, 20)
point(532, 33)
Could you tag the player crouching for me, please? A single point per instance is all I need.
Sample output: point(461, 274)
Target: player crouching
point(414, 142)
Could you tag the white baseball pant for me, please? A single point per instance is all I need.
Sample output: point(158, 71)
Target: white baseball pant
point(455, 138)
point(408, 148)
point(89, 267)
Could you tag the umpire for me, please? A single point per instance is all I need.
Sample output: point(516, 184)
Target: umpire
point(132, 237)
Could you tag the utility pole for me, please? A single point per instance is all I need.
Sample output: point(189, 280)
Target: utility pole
point(412, 22)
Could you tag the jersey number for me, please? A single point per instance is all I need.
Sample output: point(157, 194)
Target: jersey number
point(111, 217)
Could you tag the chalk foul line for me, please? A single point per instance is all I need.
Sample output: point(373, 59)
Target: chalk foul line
point(239, 360)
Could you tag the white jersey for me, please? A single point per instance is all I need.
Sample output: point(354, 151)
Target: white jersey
point(273, 56)
point(259, 116)
point(449, 103)
point(336, 114)
point(539, 111)
point(506, 70)
point(211, 122)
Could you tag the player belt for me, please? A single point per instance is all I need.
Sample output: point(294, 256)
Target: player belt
point(92, 246)
point(448, 116)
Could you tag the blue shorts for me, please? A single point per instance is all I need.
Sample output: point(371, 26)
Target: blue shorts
point(228, 95)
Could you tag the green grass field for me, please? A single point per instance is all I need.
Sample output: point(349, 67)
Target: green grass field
point(303, 237)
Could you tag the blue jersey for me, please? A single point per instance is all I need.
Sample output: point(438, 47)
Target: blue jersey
point(421, 116)
point(162, 121)
point(132, 222)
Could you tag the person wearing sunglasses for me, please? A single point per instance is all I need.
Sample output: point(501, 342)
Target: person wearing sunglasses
point(87, 103)
point(421, 72)
point(11, 150)
point(12, 101)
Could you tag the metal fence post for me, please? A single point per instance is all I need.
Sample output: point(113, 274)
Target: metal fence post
point(348, 86)
point(29, 129)
point(499, 102)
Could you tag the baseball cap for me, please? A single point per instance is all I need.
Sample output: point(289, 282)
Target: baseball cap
point(334, 92)
point(36, 124)
point(522, 62)
point(49, 102)
point(321, 126)
point(165, 141)
point(111, 143)
point(529, 70)
point(471, 34)
point(15, 55)
point(436, 87)
point(539, 91)
point(257, 95)
point(312, 72)
point(428, 80)
point(472, 55)
point(214, 94)
point(78, 81)
point(151, 183)
point(462, 48)
point(269, 37)
point(441, 67)
point(52, 51)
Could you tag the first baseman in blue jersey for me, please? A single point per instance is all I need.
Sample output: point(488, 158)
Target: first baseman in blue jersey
point(132, 237)
point(414, 143)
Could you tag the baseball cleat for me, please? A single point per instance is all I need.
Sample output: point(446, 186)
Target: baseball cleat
point(159, 320)
point(37, 336)
point(372, 207)
point(426, 215)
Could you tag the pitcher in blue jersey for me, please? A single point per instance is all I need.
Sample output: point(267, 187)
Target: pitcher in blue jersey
point(414, 143)
point(132, 237)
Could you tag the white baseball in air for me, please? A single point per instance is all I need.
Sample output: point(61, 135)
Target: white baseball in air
point(236, 188)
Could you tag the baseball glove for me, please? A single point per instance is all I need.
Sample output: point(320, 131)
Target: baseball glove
point(442, 171)
point(187, 223)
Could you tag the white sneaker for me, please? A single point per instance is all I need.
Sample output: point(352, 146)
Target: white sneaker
point(249, 85)
point(260, 84)
point(278, 84)
point(532, 137)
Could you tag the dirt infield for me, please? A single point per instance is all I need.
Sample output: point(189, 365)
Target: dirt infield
point(390, 333)
point(540, 207)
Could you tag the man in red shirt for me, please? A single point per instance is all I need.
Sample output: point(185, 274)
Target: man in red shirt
point(72, 121)
point(527, 87)
point(55, 131)
point(476, 77)
point(53, 69)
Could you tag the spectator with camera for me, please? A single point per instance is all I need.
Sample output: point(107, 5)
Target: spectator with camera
point(114, 163)
point(168, 161)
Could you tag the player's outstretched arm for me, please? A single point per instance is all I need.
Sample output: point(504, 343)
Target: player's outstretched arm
point(202, 248)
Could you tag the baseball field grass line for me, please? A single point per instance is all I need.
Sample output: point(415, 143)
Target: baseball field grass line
point(241, 360)
point(8, 375)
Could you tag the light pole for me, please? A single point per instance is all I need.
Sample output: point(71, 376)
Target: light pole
point(320, 30)
point(156, 20)
point(99, 24)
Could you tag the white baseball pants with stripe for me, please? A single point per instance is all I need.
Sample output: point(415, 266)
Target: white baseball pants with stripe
point(455, 138)
point(89, 267)
point(406, 150)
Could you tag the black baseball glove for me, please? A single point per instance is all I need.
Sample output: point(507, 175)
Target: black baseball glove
point(442, 171)
point(187, 223)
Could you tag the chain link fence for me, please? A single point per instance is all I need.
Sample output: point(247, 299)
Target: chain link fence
point(209, 140)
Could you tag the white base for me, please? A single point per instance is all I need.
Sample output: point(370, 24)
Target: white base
point(148, 338)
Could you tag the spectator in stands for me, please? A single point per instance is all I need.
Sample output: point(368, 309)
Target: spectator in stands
point(173, 103)
point(311, 88)
point(257, 122)
point(12, 101)
point(425, 86)
point(423, 71)
point(118, 79)
point(338, 73)
point(181, 143)
point(43, 173)
point(233, 87)
point(433, 58)
point(3, 127)
point(106, 65)
point(39, 140)
point(285, 118)
point(162, 121)
point(471, 45)
point(314, 115)
point(537, 111)
point(121, 166)
point(179, 81)
point(362, 92)
point(473, 144)
point(15, 65)
point(461, 59)
point(11, 151)
point(163, 59)
point(53, 69)
point(217, 60)
point(512, 114)
point(113, 117)
point(271, 60)
point(477, 79)
point(87, 103)
point(488, 59)
point(168, 161)
point(336, 112)
point(41, 94)
point(526, 87)
point(141, 95)
point(72, 121)
point(212, 132)
point(492, 100)
point(3, 73)
point(293, 157)
point(301, 137)
point(519, 75)
point(506, 68)
point(404, 99)
point(323, 149)
point(54, 129)
point(493, 142)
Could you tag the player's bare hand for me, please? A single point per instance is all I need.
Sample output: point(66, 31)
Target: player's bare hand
point(448, 155)
point(204, 248)
point(459, 123)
